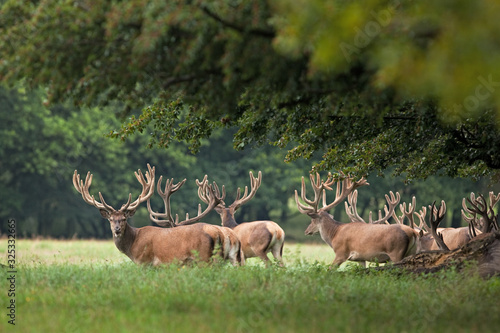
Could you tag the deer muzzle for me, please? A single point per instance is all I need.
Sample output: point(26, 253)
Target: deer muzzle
point(117, 231)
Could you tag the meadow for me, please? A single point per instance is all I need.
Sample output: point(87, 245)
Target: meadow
point(89, 286)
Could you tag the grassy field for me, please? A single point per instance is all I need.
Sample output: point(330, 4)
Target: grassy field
point(89, 286)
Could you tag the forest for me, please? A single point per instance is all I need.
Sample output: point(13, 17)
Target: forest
point(319, 97)
point(42, 147)
point(383, 90)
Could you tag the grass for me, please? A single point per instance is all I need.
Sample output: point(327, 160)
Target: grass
point(89, 286)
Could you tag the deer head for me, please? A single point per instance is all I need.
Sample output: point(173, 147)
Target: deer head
point(227, 212)
point(117, 218)
point(344, 188)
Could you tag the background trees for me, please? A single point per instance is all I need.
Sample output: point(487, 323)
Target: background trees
point(367, 86)
point(364, 88)
point(41, 148)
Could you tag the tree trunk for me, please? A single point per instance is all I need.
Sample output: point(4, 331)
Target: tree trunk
point(482, 253)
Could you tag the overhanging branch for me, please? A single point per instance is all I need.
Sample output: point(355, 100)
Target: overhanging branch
point(234, 26)
point(172, 80)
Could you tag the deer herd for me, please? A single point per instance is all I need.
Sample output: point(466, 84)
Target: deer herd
point(174, 241)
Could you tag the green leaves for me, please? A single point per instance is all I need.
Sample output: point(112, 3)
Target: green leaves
point(365, 86)
point(168, 122)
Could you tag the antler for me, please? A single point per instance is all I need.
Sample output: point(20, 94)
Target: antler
point(170, 188)
point(411, 210)
point(437, 215)
point(352, 211)
point(147, 191)
point(202, 193)
point(493, 201)
point(344, 188)
point(421, 216)
point(166, 219)
point(83, 189)
point(479, 206)
point(351, 207)
point(392, 201)
point(254, 186)
point(470, 216)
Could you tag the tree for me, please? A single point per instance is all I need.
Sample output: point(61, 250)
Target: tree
point(42, 146)
point(367, 86)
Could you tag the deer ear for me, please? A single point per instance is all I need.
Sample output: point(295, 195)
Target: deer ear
point(104, 213)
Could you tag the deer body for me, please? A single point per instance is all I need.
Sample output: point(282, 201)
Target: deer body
point(454, 238)
point(356, 241)
point(260, 237)
point(436, 238)
point(224, 240)
point(155, 245)
point(257, 238)
point(359, 241)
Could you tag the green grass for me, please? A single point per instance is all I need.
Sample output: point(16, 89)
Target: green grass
point(88, 286)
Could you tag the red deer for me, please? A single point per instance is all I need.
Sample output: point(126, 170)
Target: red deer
point(228, 244)
point(454, 238)
point(356, 241)
point(151, 245)
point(257, 237)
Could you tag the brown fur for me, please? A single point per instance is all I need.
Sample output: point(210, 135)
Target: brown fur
point(155, 245)
point(454, 238)
point(257, 238)
point(358, 241)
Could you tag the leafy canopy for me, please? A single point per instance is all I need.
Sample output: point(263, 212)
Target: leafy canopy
point(367, 85)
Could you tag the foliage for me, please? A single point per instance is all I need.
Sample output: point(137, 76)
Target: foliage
point(105, 292)
point(367, 86)
point(43, 146)
point(41, 149)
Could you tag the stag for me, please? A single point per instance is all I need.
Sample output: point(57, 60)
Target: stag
point(227, 243)
point(151, 245)
point(257, 238)
point(453, 237)
point(355, 241)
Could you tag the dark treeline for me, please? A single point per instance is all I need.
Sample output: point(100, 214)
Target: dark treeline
point(42, 146)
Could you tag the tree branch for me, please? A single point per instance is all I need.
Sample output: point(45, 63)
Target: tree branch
point(231, 25)
point(172, 80)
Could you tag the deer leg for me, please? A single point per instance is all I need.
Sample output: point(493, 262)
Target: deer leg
point(339, 259)
point(277, 252)
point(263, 255)
point(396, 256)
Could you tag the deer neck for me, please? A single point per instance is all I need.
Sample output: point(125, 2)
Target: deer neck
point(126, 240)
point(227, 218)
point(328, 227)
